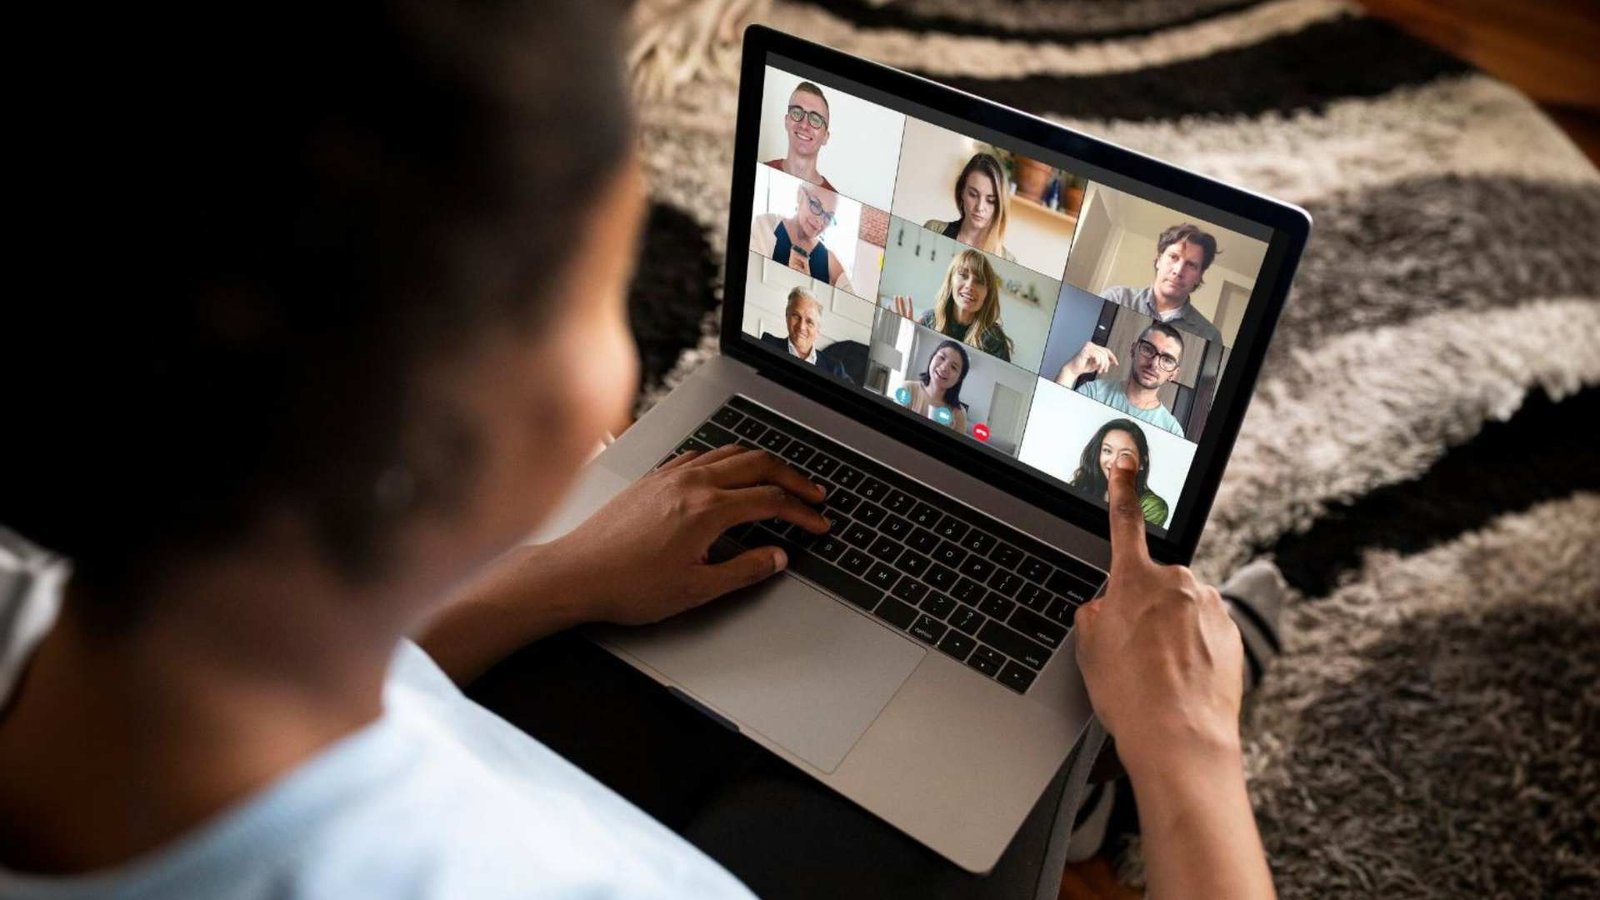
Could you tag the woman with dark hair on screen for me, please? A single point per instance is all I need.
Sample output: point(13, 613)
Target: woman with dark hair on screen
point(380, 332)
point(936, 393)
point(1119, 439)
point(983, 196)
point(967, 307)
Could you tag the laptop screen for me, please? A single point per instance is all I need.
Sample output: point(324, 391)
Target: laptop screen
point(1055, 314)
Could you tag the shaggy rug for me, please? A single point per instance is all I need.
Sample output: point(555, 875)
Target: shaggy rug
point(1418, 458)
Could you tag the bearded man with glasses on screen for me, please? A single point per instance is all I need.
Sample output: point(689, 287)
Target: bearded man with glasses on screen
point(1156, 354)
point(806, 122)
point(796, 241)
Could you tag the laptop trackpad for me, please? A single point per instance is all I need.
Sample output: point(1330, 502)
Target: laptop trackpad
point(783, 660)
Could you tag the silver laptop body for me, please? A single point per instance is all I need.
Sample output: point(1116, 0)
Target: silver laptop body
point(948, 755)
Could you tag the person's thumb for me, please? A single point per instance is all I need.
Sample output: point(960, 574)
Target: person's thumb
point(743, 570)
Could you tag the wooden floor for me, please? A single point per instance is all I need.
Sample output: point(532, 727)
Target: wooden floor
point(1550, 50)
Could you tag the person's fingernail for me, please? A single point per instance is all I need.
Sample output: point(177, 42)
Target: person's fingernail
point(827, 522)
point(780, 560)
point(821, 491)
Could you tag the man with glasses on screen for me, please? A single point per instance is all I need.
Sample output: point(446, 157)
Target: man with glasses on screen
point(796, 241)
point(1156, 354)
point(806, 122)
point(1183, 254)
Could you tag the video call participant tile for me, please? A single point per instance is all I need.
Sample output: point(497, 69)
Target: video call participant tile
point(987, 197)
point(829, 138)
point(817, 232)
point(949, 383)
point(996, 307)
point(1192, 274)
point(1074, 439)
point(1151, 372)
point(810, 320)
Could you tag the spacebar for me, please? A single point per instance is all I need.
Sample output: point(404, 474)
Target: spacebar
point(832, 578)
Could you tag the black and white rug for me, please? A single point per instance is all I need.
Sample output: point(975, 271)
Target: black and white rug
point(1420, 458)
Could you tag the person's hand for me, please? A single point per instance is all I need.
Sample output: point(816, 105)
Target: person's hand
point(1160, 655)
point(643, 556)
point(902, 306)
point(1093, 358)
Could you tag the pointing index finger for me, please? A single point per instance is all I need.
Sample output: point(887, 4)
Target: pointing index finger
point(1128, 545)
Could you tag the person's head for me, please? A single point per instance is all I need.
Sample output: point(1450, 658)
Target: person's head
point(807, 119)
point(982, 200)
point(803, 315)
point(815, 210)
point(381, 318)
point(1157, 354)
point(947, 371)
point(1116, 440)
point(1183, 254)
point(969, 295)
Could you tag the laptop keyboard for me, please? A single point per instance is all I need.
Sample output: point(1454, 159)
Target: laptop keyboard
point(951, 578)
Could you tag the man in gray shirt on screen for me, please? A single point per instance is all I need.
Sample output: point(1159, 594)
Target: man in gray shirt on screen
point(1183, 254)
point(1154, 359)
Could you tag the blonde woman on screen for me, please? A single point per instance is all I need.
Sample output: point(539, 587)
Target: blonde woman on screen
point(967, 307)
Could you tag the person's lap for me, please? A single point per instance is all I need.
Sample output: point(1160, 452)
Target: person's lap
point(782, 833)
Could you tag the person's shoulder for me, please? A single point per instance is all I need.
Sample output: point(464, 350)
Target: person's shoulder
point(1120, 294)
point(936, 225)
point(768, 338)
point(1098, 389)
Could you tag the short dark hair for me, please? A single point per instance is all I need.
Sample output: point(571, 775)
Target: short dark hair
point(1090, 480)
point(1189, 233)
point(315, 204)
point(1166, 329)
point(952, 396)
point(806, 87)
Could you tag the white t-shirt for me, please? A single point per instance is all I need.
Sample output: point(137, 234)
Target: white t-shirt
point(439, 798)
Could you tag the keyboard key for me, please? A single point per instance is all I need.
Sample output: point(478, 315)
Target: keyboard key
point(870, 514)
point(952, 528)
point(1007, 583)
point(842, 500)
point(977, 568)
point(949, 554)
point(968, 591)
point(860, 535)
point(912, 563)
point(996, 606)
point(1037, 627)
point(940, 577)
point(797, 453)
point(727, 417)
point(884, 548)
point(882, 577)
point(847, 477)
point(986, 661)
point(823, 465)
point(774, 441)
point(911, 591)
point(1034, 570)
point(835, 580)
point(929, 629)
point(924, 515)
point(691, 444)
point(967, 619)
point(922, 541)
point(1036, 598)
point(874, 490)
point(896, 613)
point(1006, 556)
point(1016, 677)
point(937, 605)
point(855, 562)
point(957, 644)
point(837, 524)
point(714, 434)
point(750, 429)
point(1014, 645)
point(1061, 611)
point(895, 527)
point(1075, 589)
point(978, 542)
point(829, 548)
point(899, 502)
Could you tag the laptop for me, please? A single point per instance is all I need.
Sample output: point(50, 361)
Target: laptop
point(913, 274)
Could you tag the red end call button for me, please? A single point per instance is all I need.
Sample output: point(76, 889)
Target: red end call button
point(980, 431)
